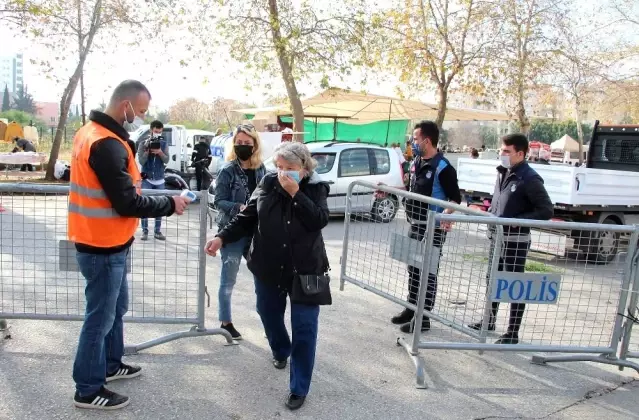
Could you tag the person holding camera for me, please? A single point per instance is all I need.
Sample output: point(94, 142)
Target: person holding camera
point(153, 155)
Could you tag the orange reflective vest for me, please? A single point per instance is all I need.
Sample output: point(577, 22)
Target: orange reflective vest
point(92, 219)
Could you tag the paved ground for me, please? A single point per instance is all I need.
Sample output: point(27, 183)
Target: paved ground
point(360, 372)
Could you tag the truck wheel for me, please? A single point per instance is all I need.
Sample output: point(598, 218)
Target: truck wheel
point(601, 247)
point(385, 209)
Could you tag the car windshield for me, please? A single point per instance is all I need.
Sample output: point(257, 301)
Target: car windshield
point(325, 162)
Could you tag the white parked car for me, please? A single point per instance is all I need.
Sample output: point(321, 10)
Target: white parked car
point(341, 163)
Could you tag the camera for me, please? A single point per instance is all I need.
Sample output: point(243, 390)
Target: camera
point(154, 143)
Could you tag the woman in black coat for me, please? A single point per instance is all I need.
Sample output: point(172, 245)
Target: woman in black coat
point(285, 216)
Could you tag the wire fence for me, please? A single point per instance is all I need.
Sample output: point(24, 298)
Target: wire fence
point(475, 277)
point(630, 343)
point(41, 279)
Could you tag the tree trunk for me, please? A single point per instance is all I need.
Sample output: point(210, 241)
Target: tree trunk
point(580, 130)
point(69, 91)
point(442, 104)
point(65, 105)
point(286, 64)
point(520, 111)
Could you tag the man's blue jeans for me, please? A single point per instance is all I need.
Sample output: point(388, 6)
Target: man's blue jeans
point(271, 305)
point(146, 185)
point(101, 345)
point(231, 258)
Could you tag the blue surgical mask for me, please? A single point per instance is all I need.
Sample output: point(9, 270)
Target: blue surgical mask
point(135, 124)
point(293, 174)
point(416, 149)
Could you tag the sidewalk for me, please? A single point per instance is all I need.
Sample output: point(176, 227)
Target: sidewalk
point(360, 374)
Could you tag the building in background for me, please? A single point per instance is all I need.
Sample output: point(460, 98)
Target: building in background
point(11, 72)
point(49, 113)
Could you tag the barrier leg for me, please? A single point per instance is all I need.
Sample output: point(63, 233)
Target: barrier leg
point(193, 332)
point(604, 358)
point(420, 364)
point(4, 329)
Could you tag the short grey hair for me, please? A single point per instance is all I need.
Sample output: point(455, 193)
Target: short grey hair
point(128, 90)
point(297, 154)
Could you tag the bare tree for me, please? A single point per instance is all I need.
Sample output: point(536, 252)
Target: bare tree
point(584, 64)
point(432, 42)
point(626, 10)
point(525, 51)
point(290, 40)
point(71, 28)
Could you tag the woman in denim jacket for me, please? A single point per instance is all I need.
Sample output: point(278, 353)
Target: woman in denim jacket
point(235, 183)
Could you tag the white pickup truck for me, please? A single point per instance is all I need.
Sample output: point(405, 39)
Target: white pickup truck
point(606, 190)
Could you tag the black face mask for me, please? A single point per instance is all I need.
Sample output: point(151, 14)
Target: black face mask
point(243, 151)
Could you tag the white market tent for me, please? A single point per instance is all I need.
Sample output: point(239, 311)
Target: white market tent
point(363, 108)
point(566, 143)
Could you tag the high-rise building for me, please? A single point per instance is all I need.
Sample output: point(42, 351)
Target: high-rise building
point(11, 72)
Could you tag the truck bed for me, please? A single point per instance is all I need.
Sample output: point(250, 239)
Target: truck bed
point(566, 185)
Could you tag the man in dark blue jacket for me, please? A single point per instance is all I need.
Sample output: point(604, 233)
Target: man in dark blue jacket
point(153, 155)
point(432, 175)
point(519, 194)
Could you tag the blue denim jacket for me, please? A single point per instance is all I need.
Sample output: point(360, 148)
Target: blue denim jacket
point(230, 193)
point(153, 165)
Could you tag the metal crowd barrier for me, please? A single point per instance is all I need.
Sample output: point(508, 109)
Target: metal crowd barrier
point(40, 279)
point(572, 306)
point(630, 344)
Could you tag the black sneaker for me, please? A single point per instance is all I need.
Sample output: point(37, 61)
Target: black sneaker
point(159, 236)
point(477, 326)
point(409, 327)
point(508, 338)
point(125, 372)
point(280, 364)
point(403, 317)
point(145, 236)
point(294, 402)
point(231, 329)
point(101, 400)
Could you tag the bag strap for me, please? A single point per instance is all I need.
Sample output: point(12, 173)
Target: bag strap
point(244, 181)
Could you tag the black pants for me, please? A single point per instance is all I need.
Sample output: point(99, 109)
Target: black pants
point(513, 260)
point(199, 175)
point(414, 275)
point(26, 167)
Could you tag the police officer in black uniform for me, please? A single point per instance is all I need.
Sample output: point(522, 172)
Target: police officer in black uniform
point(519, 194)
point(432, 175)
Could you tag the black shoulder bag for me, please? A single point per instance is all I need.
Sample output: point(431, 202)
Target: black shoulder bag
point(310, 289)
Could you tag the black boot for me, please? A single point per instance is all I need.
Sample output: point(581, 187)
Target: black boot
point(403, 317)
point(409, 327)
point(295, 402)
point(477, 326)
point(511, 337)
point(491, 320)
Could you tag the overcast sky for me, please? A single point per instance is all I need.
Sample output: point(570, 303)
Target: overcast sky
point(165, 77)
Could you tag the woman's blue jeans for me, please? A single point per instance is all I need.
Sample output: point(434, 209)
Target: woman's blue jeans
point(271, 305)
point(231, 258)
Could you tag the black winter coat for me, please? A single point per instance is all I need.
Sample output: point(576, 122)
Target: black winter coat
point(520, 194)
point(287, 231)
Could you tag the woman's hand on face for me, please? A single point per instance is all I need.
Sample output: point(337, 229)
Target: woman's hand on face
point(213, 246)
point(288, 183)
point(242, 207)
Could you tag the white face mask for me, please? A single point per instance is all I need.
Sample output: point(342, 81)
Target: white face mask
point(505, 161)
point(132, 126)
